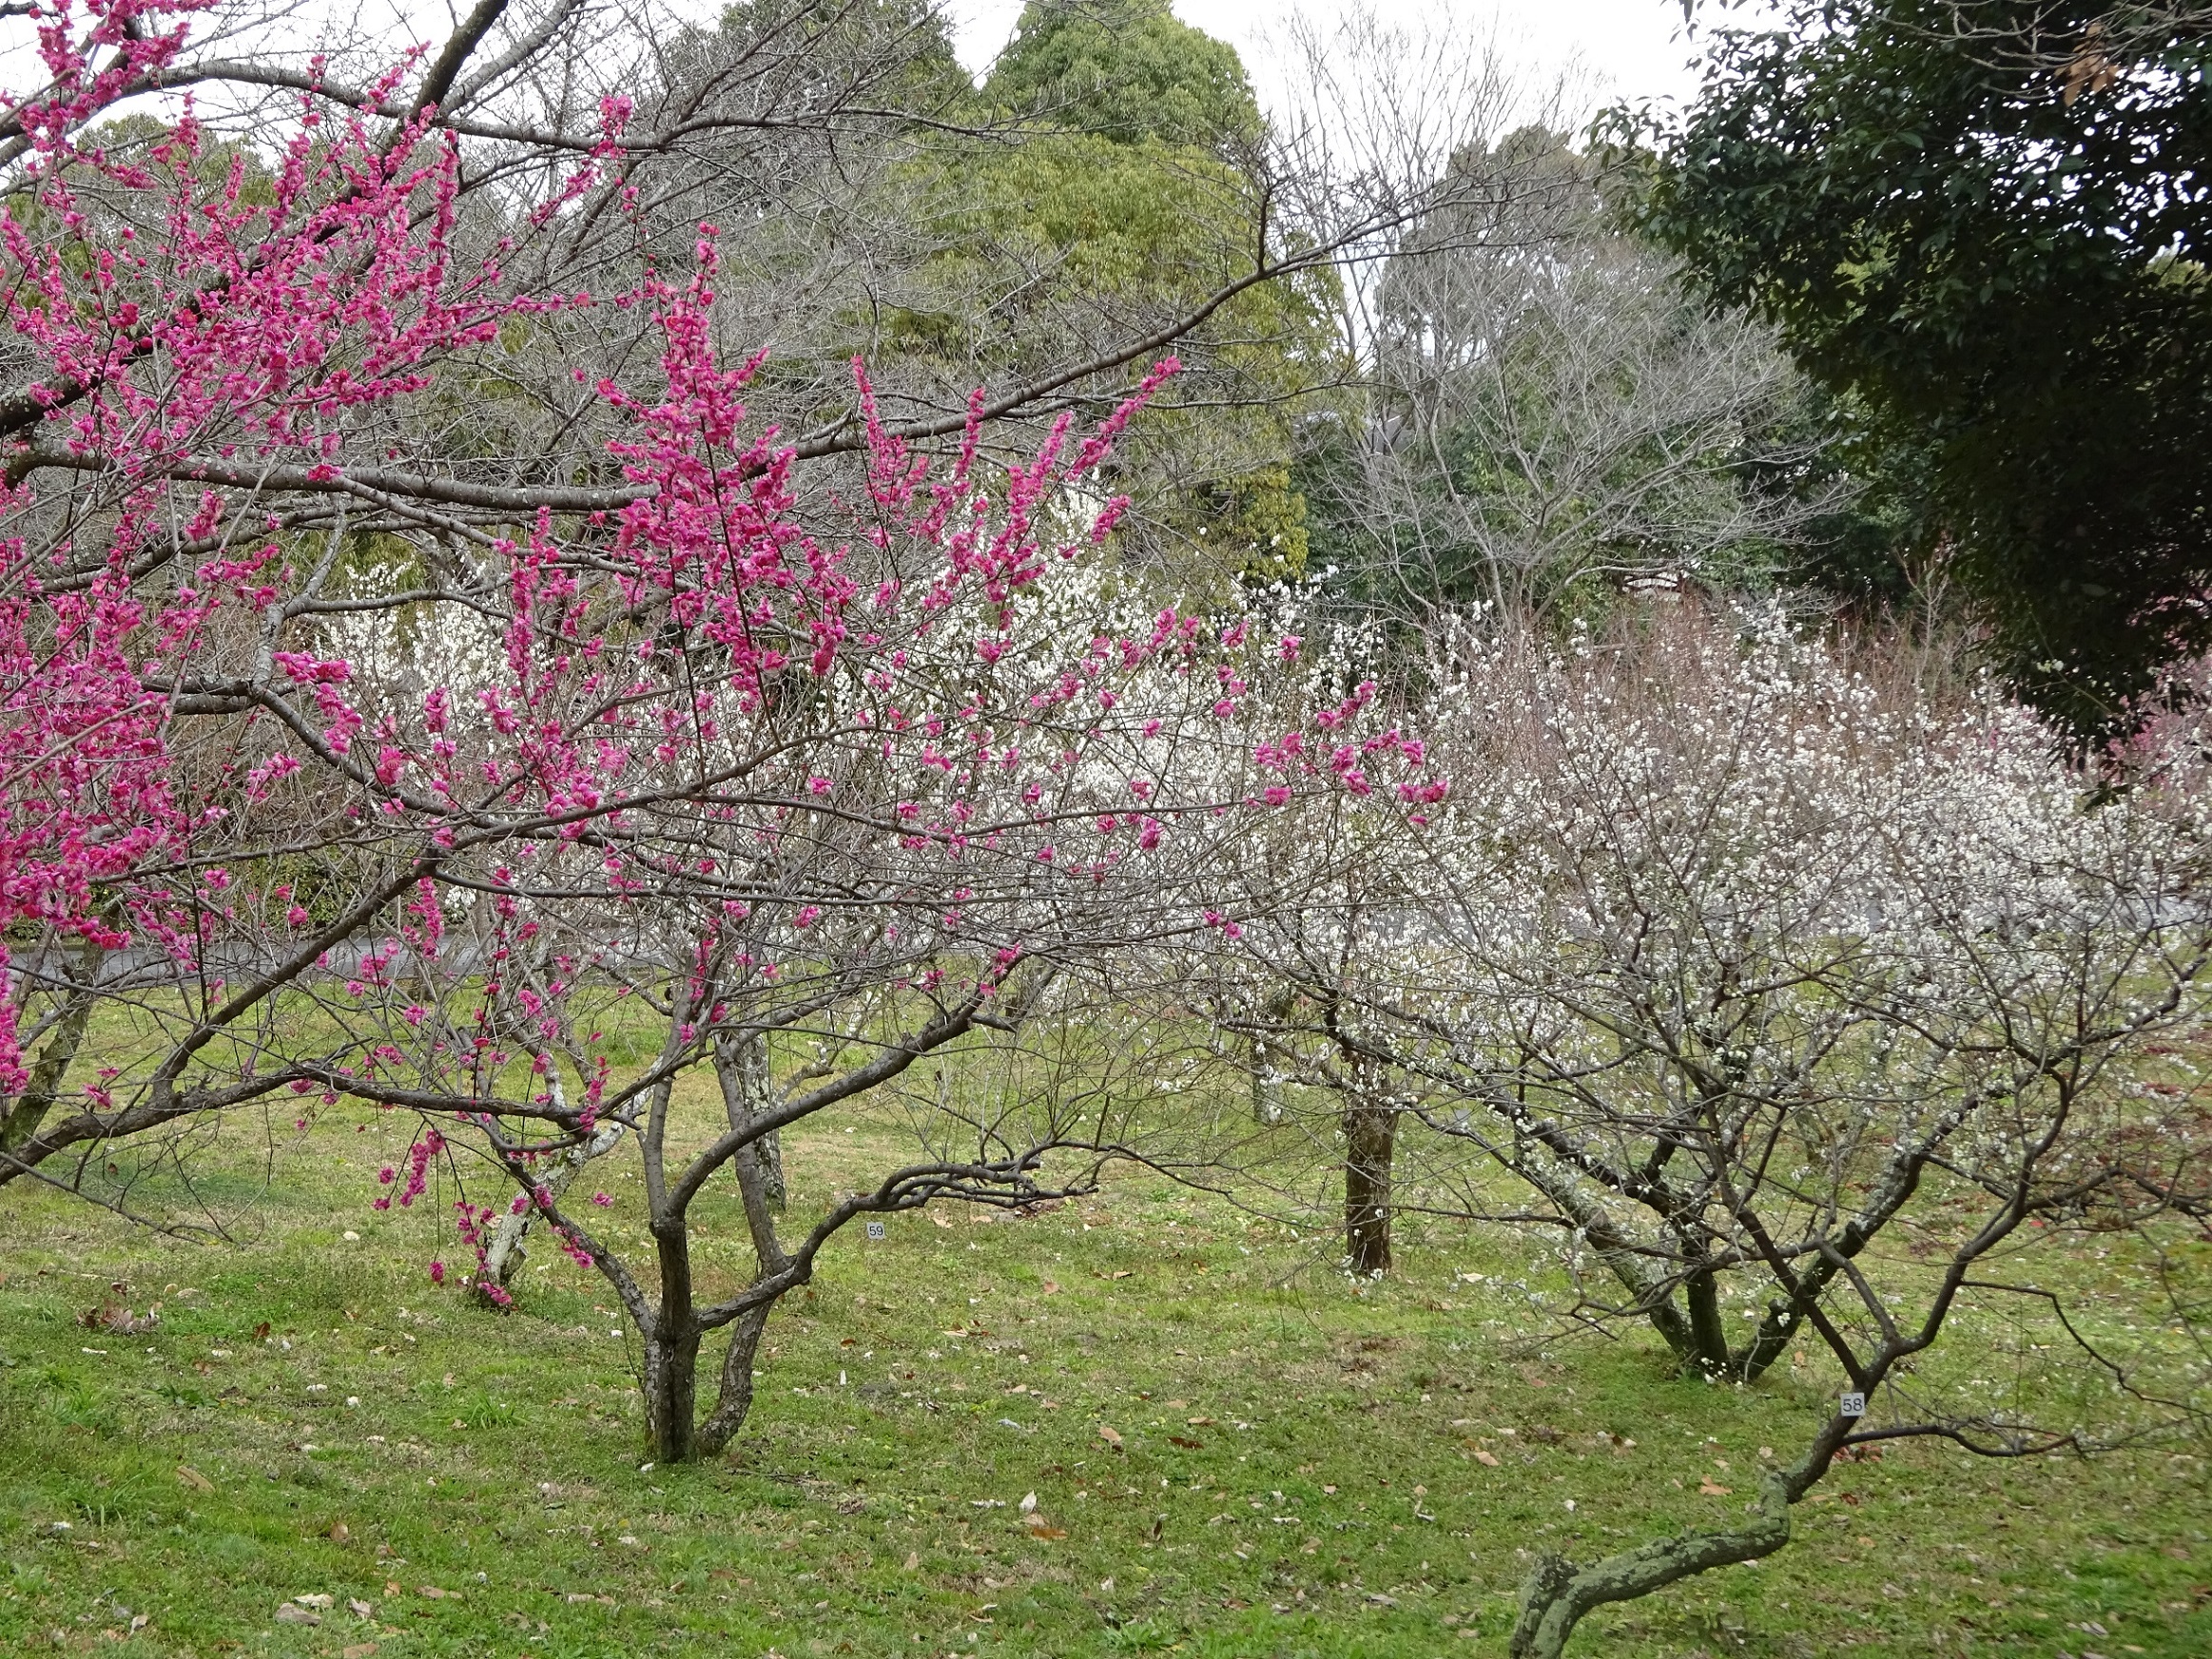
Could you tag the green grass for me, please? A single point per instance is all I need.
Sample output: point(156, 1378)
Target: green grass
point(1301, 1467)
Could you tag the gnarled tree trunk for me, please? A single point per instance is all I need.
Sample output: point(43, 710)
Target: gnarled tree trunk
point(1684, 1306)
point(1558, 1593)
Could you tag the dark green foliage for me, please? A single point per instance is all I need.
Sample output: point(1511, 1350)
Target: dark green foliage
point(1877, 546)
point(1983, 223)
point(1126, 69)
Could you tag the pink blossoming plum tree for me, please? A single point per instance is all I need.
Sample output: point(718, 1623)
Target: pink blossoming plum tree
point(515, 792)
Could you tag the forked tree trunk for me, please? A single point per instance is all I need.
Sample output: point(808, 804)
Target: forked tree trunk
point(672, 1344)
point(672, 1332)
point(1686, 1314)
point(1558, 1593)
point(673, 1430)
point(674, 1341)
point(1704, 1346)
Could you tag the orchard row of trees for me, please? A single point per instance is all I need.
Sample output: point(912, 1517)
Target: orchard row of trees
point(512, 612)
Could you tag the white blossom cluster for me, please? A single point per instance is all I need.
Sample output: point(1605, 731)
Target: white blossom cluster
point(1730, 950)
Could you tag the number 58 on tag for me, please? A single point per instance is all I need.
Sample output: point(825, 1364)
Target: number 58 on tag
point(1854, 1405)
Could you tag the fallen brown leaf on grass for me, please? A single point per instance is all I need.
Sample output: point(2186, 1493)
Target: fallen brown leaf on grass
point(339, 1533)
point(1711, 1489)
point(941, 1221)
point(1486, 1459)
point(193, 1479)
point(1041, 1528)
point(1199, 1422)
point(913, 1559)
point(291, 1614)
point(1051, 1289)
point(1111, 1436)
point(1186, 1442)
point(1117, 1273)
point(360, 1651)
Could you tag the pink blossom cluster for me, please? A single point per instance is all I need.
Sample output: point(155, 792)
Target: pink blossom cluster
point(898, 745)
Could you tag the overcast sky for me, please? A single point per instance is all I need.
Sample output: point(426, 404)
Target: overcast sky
point(1632, 49)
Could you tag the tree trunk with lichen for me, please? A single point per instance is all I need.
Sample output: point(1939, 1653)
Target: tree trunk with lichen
point(749, 1091)
point(44, 1086)
point(505, 1254)
point(1267, 1104)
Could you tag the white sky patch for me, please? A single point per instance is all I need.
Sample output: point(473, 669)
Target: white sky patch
point(1631, 49)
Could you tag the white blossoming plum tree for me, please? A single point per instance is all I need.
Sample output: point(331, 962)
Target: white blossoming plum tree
point(1738, 968)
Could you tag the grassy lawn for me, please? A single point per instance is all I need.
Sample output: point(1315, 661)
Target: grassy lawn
point(1232, 1452)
